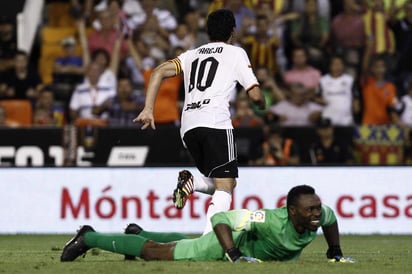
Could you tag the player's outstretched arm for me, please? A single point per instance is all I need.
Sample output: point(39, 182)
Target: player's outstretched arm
point(334, 252)
point(164, 70)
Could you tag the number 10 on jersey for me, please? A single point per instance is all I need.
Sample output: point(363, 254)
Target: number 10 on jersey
point(198, 79)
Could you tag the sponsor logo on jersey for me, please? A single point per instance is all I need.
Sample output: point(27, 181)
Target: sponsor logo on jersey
point(196, 105)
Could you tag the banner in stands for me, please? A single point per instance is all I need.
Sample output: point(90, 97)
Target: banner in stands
point(111, 146)
point(59, 200)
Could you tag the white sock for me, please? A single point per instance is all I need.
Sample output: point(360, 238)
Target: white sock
point(221, 201)
point(203, 184)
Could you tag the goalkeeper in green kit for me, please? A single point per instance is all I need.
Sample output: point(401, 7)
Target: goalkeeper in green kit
point(239, 235)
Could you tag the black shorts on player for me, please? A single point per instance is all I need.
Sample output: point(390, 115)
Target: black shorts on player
point(213, 150)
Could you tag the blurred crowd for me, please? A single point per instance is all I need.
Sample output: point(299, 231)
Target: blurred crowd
point(320, 63)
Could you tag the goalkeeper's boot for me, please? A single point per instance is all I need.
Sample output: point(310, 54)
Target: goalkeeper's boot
point(76, 246)
point(184, 189)
point(132, 229)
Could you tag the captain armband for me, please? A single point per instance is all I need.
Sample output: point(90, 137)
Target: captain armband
point(178, 65)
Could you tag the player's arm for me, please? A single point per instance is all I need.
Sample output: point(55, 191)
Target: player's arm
point(223, 224)
point(167, 69)
point(256, 95)
point(331, 233)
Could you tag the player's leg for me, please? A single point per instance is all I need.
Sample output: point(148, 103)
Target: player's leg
point(153, 236)
point(221, 199)
point(186, 182)
point(125, 244)
point(221, 165)
point(204, 248)
point(160, 237)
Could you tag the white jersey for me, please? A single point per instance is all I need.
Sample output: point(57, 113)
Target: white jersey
point(406, 115)
point(85, 97)
point(337, 93)
point(210, 74)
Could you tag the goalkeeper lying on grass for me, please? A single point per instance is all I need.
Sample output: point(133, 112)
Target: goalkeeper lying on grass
point(239, 235)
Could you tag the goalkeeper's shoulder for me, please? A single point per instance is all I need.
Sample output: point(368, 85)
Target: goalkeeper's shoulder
point(328, 215)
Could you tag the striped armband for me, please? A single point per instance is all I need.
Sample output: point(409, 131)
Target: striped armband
point(178, 65)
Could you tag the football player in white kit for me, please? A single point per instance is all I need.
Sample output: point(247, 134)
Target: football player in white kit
point(210, 73)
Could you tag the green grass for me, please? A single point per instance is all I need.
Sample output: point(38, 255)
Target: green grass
point(40, 254)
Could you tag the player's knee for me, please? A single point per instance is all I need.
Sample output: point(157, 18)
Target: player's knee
point(225, 184)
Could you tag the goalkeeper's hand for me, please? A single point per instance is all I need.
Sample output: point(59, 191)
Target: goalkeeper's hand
point(334, 255)
point(248, 259)
point(234, 255)
point(341, 259)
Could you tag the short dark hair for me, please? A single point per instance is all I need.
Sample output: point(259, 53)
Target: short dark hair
point(298, 48)
point(338, 57)
point(377, 58)
point(99, 51)
point(296, 192)
point(220, 25)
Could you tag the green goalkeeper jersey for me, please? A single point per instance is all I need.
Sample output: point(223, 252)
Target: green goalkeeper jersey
point(266, 234)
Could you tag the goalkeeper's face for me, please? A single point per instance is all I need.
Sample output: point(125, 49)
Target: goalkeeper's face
point(307, 212)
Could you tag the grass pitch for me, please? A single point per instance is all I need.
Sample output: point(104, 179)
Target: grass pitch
point(41, 253)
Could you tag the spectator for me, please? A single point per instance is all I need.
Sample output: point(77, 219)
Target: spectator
point(124, 106)
point(22, 82)
point(68, 70)
point(380, 39)
point(406, 100)
point(154, 44)
point(108, 62)
point(302, 73)
point(244, 115)
point(402, 29)
point(46, 112)
point(279, 15)
point(311, 31)
point(117, 13)
point(106, 37)
point(278, 150)
point(262, 46)
point(348, 36)
point(269, 88)
point(192, 20)
point(337, 94)
point(242, 10)
point(8, 44)
point(326, 150)
point(181, 38)
point(108, 77)
point(131, 10)
point(379, 96)
point(90, 94)
point(323, 7)
point(297, 110)
point(162, 19)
